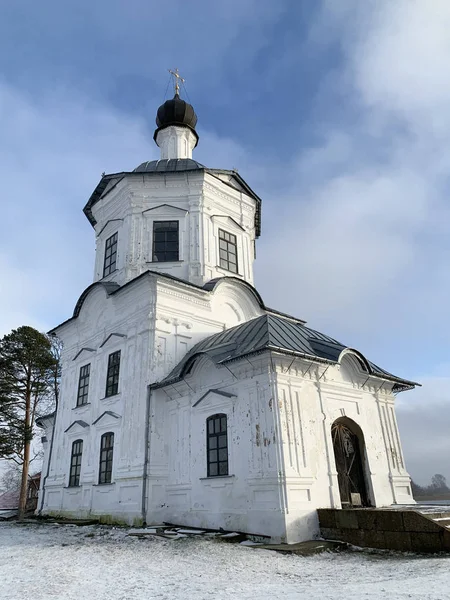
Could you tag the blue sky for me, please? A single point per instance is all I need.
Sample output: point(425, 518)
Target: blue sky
point(336, 113)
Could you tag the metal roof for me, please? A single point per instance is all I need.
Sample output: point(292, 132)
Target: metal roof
point(270, 332)
point(176, 165)
point(169, 165)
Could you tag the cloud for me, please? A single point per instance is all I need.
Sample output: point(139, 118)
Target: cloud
point(53, 152)
point(359, 242)
point(355, 213)
point(424, 422)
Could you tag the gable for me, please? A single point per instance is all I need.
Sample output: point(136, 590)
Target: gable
point(214, 399)
point(112, 338)
point(77, 427)
point(164, 210)
point(84, 353)
point(107, 419)
point(228, 222)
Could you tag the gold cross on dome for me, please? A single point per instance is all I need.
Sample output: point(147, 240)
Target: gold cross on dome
point(176, 78)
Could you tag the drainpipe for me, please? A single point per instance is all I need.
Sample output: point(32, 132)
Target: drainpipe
point(146, 456)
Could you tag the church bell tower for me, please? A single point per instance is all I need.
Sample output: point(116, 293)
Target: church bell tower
point(174, 215)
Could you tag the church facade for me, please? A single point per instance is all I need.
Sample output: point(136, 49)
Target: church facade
point(184, 399)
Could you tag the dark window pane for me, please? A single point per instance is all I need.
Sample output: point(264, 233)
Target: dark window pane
point(75, 463)
point(228, 251)
point(165, 241)
point(217, 448)
point(223, 468)
point(112, 376)
point(109, 264)
point(106, 458)
point(83, 385)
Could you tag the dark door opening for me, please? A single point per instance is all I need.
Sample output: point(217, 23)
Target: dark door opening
point(349, 464)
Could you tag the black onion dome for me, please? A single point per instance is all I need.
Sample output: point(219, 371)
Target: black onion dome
point(176, 112)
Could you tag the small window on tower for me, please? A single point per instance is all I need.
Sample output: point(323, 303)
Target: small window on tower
point(165, 241)
point(110, 255)
point(228, 251)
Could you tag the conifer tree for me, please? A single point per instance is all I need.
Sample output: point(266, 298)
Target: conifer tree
point(27, 370)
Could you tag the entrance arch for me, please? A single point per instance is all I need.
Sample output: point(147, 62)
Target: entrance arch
point(349, 447)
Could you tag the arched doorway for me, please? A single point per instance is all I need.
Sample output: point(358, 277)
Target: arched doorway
point(348, 444)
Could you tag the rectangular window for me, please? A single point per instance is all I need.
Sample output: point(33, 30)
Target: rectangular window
point(75, 463)
point(83, 385)
point(217, 445)
point(165, 241)
point(112, 378)
point(106, 458)
point(228, 251)
point(110, 255)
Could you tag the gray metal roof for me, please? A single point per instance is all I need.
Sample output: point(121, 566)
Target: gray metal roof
point(177, 165)
point(270, 332)
point(169, 165)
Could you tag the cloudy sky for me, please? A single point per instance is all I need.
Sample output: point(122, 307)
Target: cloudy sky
point(337, 113)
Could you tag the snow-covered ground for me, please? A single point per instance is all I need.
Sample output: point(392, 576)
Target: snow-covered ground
point(70, 562)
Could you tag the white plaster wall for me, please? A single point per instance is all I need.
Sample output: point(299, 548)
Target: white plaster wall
point(153, 322)
point(126, 317)
point(309, 401)
point(201, 202)
point(179, 490)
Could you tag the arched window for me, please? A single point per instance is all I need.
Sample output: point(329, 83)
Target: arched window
point(217, 445)
point(75, 463)
point(106, 458)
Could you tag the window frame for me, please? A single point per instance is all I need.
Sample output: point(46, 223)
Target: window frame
point(166, 241)
point(83, 385)
point(110, 256)
point(213, 445)
point(106, 458)
point(76, 457)
point(113, 374)
point(228, 240)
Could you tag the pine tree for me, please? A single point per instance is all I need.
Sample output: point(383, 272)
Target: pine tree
point(27, 368)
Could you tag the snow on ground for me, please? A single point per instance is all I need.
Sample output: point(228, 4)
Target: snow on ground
point(68, 562)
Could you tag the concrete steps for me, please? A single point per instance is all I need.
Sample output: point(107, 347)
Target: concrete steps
point(404, 530)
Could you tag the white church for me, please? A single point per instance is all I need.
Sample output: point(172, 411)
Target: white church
point(184, 398)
